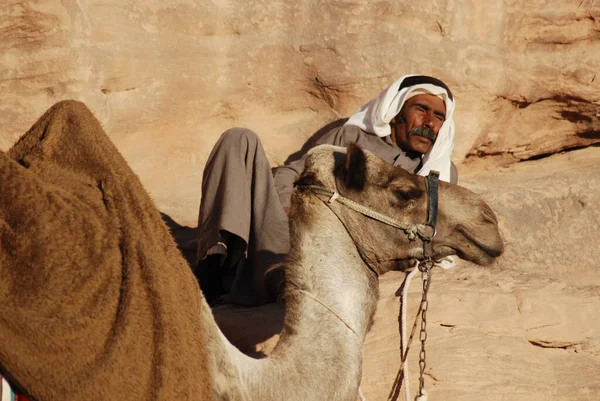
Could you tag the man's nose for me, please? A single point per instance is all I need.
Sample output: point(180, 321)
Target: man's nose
point(429, 120)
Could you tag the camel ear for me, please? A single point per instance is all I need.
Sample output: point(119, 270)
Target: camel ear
point(354, 173)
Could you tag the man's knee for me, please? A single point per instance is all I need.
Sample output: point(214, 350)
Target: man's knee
point(237, 136)
point(233, 143)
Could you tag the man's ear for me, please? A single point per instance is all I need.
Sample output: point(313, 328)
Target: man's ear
point(354, 173)
point(399, 119)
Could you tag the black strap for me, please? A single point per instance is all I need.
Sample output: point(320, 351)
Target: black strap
point(432, 212)
point(424, 79)
point(432, 194)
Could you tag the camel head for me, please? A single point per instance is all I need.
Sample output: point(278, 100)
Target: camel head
point(466, 225)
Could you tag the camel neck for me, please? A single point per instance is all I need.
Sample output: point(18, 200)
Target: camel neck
point(330, 298)
point(327, 267)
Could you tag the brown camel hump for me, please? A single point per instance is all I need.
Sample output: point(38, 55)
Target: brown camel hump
point(97, 302)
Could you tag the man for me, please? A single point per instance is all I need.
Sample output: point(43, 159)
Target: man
point(243, 225)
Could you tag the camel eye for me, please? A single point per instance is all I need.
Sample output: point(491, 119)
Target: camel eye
point(402, 195)
point(407, 194)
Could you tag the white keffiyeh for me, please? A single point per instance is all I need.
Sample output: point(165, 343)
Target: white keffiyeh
point(375, 116)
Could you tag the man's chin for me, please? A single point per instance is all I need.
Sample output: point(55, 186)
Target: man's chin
point(420, 144)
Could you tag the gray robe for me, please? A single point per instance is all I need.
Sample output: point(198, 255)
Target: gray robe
point(343, 136)
point(241, 196)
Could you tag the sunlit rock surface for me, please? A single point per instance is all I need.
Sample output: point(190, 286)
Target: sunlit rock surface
point(166, 77)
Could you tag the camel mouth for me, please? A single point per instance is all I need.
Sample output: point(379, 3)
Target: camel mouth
point(416, 256)
point(475, 250)
point(442, 251)
point(481, 252)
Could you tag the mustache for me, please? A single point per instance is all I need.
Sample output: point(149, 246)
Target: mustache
point(423, 132)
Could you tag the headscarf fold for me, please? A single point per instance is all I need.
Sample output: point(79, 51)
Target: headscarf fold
point(375, 116)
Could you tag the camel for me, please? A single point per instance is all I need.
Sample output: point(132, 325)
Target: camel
point(151, 334)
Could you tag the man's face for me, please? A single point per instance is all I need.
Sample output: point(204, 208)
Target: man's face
point(415, 128)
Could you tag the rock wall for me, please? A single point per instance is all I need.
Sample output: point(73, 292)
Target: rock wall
point(166, 77)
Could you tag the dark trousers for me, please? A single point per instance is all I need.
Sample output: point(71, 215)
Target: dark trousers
point(240, 207)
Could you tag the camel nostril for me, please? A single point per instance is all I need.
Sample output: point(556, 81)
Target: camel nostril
point(489, 215)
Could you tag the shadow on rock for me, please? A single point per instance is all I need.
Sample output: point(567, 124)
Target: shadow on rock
point(185, 237)
point(312, 141)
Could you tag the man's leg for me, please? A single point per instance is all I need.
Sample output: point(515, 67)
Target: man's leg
point(240, 208)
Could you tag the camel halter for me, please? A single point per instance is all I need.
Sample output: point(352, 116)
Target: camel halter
point(424, 231)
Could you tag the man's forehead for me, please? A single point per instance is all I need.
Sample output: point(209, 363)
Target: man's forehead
point(434, 101)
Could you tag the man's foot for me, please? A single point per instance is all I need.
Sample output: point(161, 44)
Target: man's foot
point(209, 275)
point(274, 281)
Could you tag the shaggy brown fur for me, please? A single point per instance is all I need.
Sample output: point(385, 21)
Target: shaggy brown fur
point(107, 308)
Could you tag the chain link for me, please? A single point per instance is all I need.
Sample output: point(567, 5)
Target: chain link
point(425, 275)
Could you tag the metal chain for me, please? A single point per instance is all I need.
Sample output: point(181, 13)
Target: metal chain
point(424, 267)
